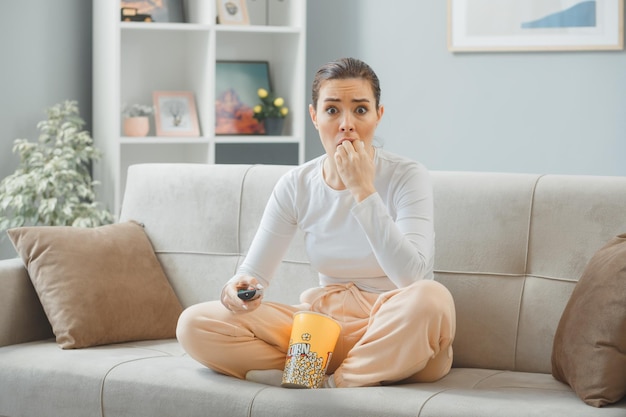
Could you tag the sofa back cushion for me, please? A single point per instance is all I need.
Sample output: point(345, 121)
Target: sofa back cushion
point(201, 220)
point(510, 247)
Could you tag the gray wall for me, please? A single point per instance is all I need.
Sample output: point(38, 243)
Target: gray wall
point(46, 58)
point(516, 112)
point(562, 112)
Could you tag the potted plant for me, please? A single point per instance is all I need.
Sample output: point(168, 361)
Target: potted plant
point(136, 121)
point(271, 112)
point(52, 185)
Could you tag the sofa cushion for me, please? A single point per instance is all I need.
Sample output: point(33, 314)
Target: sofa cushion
point(98, 286)
point(590, 341)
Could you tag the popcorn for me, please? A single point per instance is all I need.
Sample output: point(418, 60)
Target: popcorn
point(313, 339)
point(306, 369)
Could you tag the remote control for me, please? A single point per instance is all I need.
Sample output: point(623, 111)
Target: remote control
point(246, 294)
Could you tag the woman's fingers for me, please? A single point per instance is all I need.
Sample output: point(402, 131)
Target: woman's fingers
point(230, 295)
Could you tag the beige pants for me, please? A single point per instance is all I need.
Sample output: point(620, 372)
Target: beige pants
point(403, 335)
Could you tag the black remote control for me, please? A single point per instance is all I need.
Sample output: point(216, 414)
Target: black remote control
point(246, 294)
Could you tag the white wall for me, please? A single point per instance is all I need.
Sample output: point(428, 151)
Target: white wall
point(550, 112)
point(45, 56)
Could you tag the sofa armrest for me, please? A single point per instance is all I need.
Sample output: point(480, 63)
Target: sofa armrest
point(22, 318)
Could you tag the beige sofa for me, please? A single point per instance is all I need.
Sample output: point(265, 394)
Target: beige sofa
point(510, 247)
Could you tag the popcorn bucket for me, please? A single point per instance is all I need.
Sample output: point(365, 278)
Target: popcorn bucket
point(313, 339)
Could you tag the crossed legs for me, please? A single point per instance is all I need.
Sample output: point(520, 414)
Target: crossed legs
point(414, 326)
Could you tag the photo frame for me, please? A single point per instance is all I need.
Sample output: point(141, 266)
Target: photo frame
point(535, 25)
point(175, 113)
point(232, 12)
point(236, 86)
point(159, 11)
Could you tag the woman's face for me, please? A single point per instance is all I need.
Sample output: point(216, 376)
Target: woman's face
point(346, 110)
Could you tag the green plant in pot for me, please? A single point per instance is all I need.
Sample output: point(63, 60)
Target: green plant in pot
point(52, 185)
point(271, 112)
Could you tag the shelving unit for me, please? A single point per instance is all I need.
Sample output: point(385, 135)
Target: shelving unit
point(131, 60)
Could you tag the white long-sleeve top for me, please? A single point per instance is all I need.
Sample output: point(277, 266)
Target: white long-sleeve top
point(384, 242)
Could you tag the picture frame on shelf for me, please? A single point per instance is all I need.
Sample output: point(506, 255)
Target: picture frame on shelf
point(535, 25)
point(160, 11)
point(232, 12)
point(236, 86)
point(175, 113)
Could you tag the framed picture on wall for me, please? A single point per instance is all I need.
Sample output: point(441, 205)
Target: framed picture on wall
point(535, 25)
point(232, 12)
point(236, 86)
point(175, 113)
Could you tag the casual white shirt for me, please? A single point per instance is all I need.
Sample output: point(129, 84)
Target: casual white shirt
point(384, 242)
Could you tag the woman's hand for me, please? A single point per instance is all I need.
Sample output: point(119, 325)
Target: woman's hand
point(356, 168)
point(231, 300)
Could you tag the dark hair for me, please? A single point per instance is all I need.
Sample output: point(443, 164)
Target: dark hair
point(342, 69)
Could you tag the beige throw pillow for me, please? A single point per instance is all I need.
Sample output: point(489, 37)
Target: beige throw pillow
point(98, 286)
point(589, 350)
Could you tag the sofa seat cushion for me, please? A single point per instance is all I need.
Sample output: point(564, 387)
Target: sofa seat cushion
point(98, 285)
point(464, 392)
point(175, 386)
point(510, 394)
point(68, 380)
point(156, 378)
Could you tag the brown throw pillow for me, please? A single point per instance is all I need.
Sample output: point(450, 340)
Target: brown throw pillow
point(98, 286)
point(589, 350)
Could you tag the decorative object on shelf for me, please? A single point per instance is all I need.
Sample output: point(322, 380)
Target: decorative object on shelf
point(272, 112)
point(136, 119)
point(175, 113)
point(136, 126)
point(151, 11)
point(274, 126)
point(536, 25)
point(52, 185)
point(232, 12)
point(235, 85)
point(131, 14)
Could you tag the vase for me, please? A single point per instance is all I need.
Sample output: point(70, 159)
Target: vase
point(136, 126)
point(274, 126)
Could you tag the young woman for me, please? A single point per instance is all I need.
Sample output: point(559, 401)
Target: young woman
point(367, 215)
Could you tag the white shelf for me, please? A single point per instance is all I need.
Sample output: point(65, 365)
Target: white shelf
point(203, 27)
point(256, 139)
point(258, 29)
point(164, 26)
point(159, 140)
point(131, 60)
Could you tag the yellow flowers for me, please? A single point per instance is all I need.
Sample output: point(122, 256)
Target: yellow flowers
point(270, 107)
